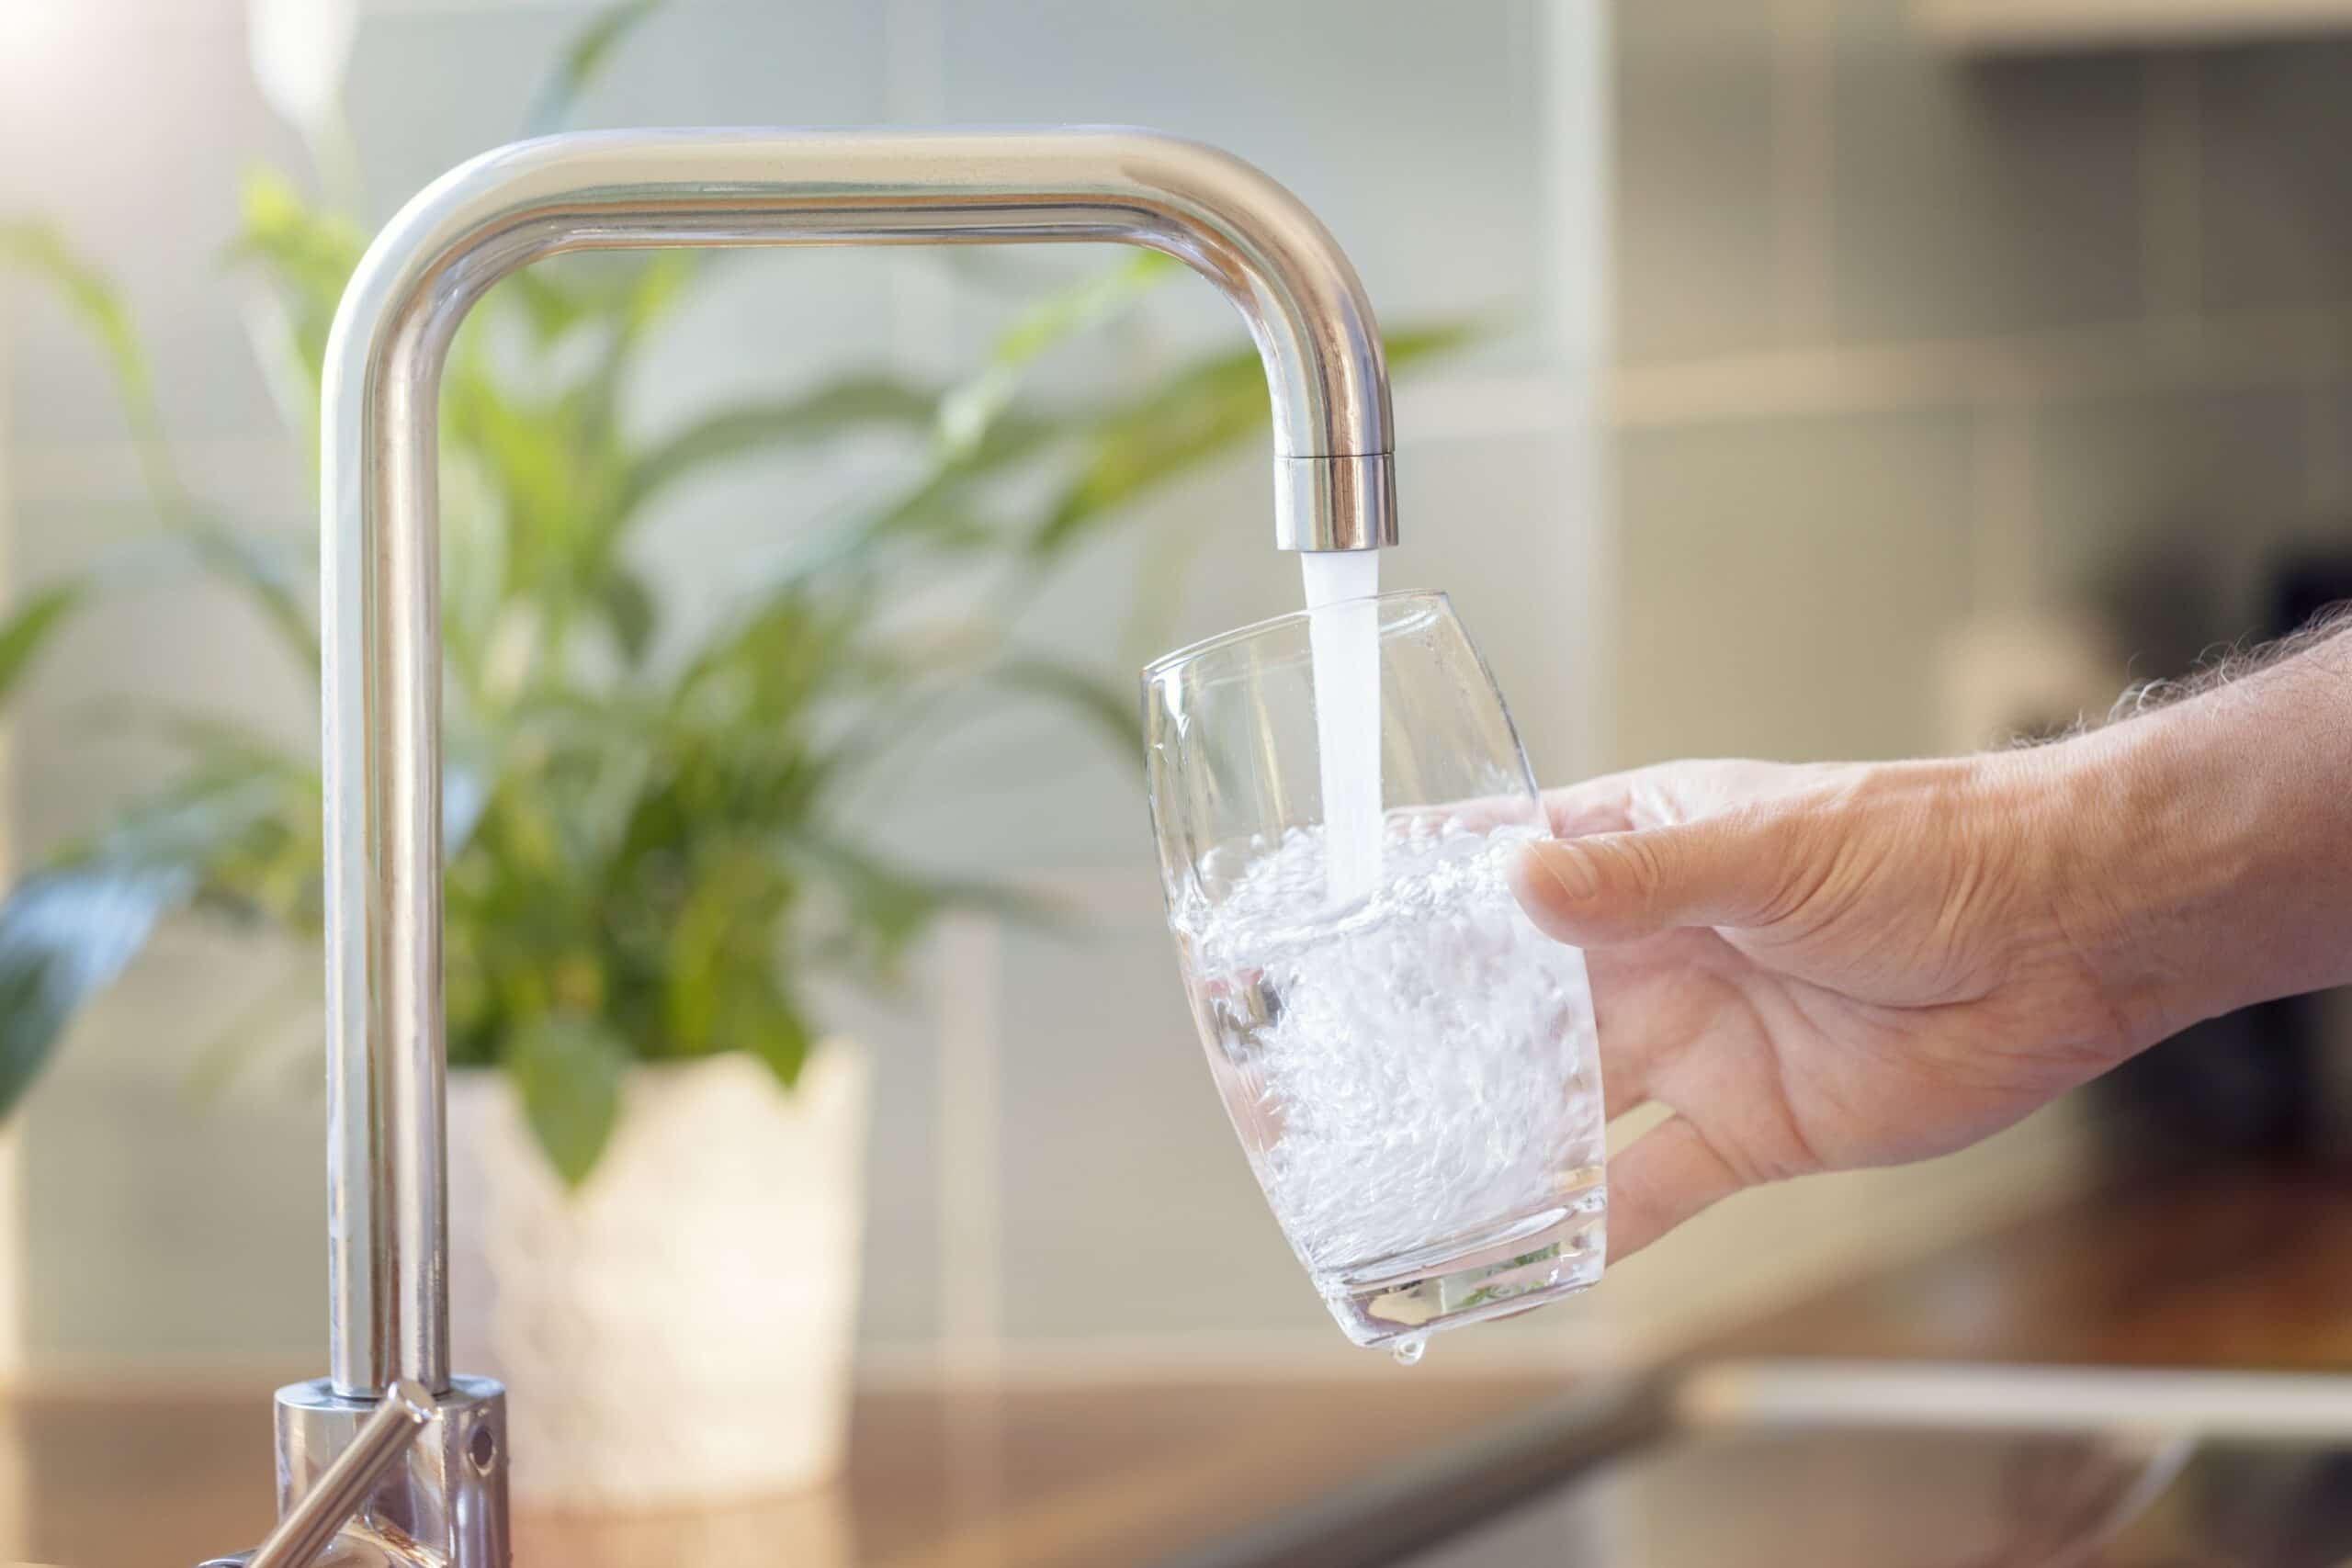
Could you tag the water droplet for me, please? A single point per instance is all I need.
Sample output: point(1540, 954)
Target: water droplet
point(1408, 1351)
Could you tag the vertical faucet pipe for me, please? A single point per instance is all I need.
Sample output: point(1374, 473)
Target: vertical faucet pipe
point(388, 1215)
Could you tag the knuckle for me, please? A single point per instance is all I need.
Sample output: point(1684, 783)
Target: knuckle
point(1643, 859)
point(1787, 871)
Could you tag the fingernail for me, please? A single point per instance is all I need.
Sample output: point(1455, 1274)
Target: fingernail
point(1571, 868)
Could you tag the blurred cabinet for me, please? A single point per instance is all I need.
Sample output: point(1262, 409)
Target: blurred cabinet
point(2033, 25)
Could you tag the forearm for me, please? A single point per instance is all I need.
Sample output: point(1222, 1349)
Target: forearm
point(2209, 856)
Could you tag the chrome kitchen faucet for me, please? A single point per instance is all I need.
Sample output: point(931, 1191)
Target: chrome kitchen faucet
point(391, 1460)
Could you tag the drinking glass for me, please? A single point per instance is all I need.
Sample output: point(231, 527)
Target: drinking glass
point(1409, 1063)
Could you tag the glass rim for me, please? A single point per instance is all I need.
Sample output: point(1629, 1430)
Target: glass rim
point(1272, 624)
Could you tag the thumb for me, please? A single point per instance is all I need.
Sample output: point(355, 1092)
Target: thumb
point(1729, 870)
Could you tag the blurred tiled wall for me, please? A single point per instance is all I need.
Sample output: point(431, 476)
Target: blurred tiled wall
point(1930, 373)
point(1050, 1164)
point(1910, 343)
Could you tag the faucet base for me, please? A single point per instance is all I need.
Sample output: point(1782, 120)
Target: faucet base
point(446, 1504)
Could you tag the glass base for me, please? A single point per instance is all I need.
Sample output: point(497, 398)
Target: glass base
point(1511, 1269)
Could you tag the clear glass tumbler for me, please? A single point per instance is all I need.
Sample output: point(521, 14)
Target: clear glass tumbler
point(1410, 1064)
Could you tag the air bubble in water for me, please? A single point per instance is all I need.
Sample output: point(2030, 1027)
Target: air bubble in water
point(1425, 1071)
point(1409, 1352)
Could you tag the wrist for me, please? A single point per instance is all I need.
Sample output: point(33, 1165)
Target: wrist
point(2203, 851)
point(2141, 861)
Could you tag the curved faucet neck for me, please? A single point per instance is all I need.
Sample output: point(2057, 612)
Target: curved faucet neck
point(1334, 489)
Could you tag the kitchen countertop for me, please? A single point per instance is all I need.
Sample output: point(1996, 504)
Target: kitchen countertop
point(938, 1477)
point(2250, 1270)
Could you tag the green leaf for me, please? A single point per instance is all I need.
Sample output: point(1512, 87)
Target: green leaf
point(262, 569)
point(555, 470)
point(620, 294)
point(547, 300)
point(966, 411)
point(852, 402)
point(720, 981)
point(630, 612)
point(1110, 707)
point(1408, 346)
point(651, 290)
point(39, 250)
point(884, 907)
point(25, 634)
point(274, 574)
point(722, 944)
point(68, 931)
point(583, 61)
point(64, 935)
point(1195, 415)
point(306, 255)
point(758, 681)
point(567, 1070)
point(244, 562)
point(220, 744)
point(778, 1035)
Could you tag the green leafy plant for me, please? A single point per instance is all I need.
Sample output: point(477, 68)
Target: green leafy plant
point(651, 840)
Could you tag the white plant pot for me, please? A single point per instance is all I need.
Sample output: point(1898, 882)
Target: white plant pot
point(15, 1455)
point(678, 1331)
point(12, 1251)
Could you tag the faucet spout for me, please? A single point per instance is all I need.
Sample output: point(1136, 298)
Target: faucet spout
point(1334, 490)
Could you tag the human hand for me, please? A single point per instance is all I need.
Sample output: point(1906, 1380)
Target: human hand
point(1823, 967)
